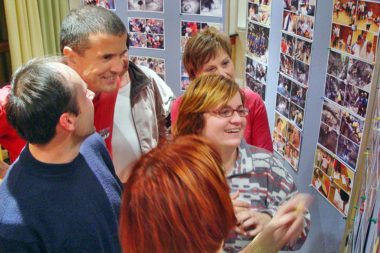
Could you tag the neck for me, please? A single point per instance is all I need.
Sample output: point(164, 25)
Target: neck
point(57, 151)
point(229, 156)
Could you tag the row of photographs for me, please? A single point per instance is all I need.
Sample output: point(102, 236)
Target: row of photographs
point(332, 179)
point(287, 140)
point(304, 7)
point(155, 64)
point(259, 12)
point(202, 7)
point(256, 70)
point(359, 43)
point(359, 14)
point(300, 25)
point(290, 110)
point(295, 69)
point(146, 33)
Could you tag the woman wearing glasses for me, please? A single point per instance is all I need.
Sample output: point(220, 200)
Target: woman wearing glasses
point(213, 107)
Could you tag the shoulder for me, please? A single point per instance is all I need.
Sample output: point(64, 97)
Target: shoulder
point(252, 97)
point(93, 144)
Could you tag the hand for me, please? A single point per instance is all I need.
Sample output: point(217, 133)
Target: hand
point(3, 168)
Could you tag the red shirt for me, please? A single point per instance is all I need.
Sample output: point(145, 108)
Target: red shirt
point(257, 132)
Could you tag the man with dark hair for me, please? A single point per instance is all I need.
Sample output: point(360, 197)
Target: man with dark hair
point(62, 194)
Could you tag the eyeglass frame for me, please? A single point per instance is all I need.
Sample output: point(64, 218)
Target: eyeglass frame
point(231, 111)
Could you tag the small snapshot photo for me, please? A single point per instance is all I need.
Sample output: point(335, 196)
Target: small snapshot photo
point(352, 127)
point(286, 65)
point(154, 26)
point(211, 8)
point(190, 7)
point(364, 45)
point(288, 43)
point(303, 51)
point(344, 12)
point(284, 86)
point(337, 65)
point(321, 182)
point(368, 16)
point(331, 115)
point(339, 198)
point(307, 7)
point(289, 23)
point(191, 28)
point(257, 40)
point(137, 25)
point(155, 64)
point(291, 5)
point(335, 89)
point(291, 155)
point(281, 125)
point(151, 29)
point(155, 41)
point(328, 137)
point(356, 100)
point(282, 105)
point(256, 86)
point(108, 4)
point(360, 74)
point(324, 161)
point(137, 39)
point(296, 115)
point(343, 176)
point(154, 5)
point(250, 67)
point(294, 136)
point(259, 13)
point(341, 38)
point(347, 151)
point(279, 143)
point(301, 72)
point(305, 26)
point(298, 95)
point(261, 73)
point(185, 80)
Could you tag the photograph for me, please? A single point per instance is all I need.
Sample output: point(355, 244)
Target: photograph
point(307, 7)
point(212, 8)
point(328, 138)
point(284, 86)
point(259, 13)
point(324, 161)
point(364, 45)
point(335, 89)
point(343, 176)
point(344, 12)
point(185, 80)
point(154, 26)
point(294, 136)
point(296, 115)
point(282, 105)
point(347, 151)
point(137, 25)
point(294, 157)
point(288, 43)
point(368, 16)
point(291, 5)
point(331, 115)
point(189, 28)
point(286, 65)
point(356, 100)
point(190, 7)
point(155, 41)
point(281, 125)
point(305, 26)
point(359, 74)
point(321, 182)
point(147, 33)
point(279, 143)
point(301, 72)
point(289, 23)
point(351, 127)
point(250, 67)
point(261, 73)
point(303, 51)
point(137, 39)
point(155, 64)
point(154, 5)
point(339, 198)
point(257, 40)
point(341, 38)
point(298, 94)
point(136, 5)
point(256, 86)
point(337, 65)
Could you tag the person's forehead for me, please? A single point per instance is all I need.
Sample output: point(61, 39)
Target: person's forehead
point(71, 75)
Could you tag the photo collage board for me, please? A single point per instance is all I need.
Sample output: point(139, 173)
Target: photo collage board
point(189, 28)
point(350, 67)
point(295, 58)
point(256, 62)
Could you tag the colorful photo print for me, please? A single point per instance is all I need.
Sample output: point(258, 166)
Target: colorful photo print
point(185, 80)
point(146, 5)
point(289, 23)
point(335, 89)
point(279, 143)
point(155, 41)
point(284, 86)
point(296, 115)
point(137, 39)
point(324, 161)
point(281, 125)
point(294, 136)
point(305, 26)
point(331, 115)
point(261, 73)
point(356, 100)
point(307, 7)
point(137, 25)
point(257, 40)
point(347, 151)
point(190, 7)
point(291, 155)
point(108, 4)
point(301, 72)
point(344, 12)
point(259, 13)
point(154, 26)
point(291, 5)
point(303, 51)
point(343, 176)
point(328, 137)
point(351, 127)
point(286, 65)
point(339, 198)
point(288, 43)
point(364, 45)
point(265, 2)
point(321, 182)
point(150, 29)
point(211, 8)
point(368, 17)
point(282, 105)
point(337, 65)
point(191, 28)
point(341, 38)
point(360, 74)
point(155, 64)
point(250, 67)
point(256, 86)
point(298, 95)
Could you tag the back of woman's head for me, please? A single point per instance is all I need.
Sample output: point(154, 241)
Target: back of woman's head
point(203, 47)
point(176, 200)
point(203, 94)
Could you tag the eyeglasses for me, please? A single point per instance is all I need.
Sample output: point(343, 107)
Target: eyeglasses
point(226, 112)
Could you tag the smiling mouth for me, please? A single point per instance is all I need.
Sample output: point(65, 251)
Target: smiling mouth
point(234, 130)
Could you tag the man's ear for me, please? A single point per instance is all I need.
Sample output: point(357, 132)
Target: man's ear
point(70, 54)
point(67, 121)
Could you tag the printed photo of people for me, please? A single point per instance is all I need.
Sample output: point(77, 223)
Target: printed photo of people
point(341, 37)
point(347, 151)
point(337, 65)
point(344, 12)
point(339, 198)
point(360, 74)
point(301, 72)
point(257, 40)
point(255, 86)
point(328, 138)
point(294, 136)
point(202, 7)
point(296, 115)
point(282, 105)
point(284, 86)
point(108, 4)
point(303, 51)
point(185, 80)
point(351, 127)
point(291, 155)
point(368, 17)
point(291, 5)
point(281, 125)
point(356, 100)
point(331, 115)
point(259, 13)
point(324, 161)
point(155, 64)
point(289, 23)
point(298, 95)
point(286, 65)
point(307, 7)
point(190, 7)
point(335, 89)
point(305, 26)
point(190, 28)
point(261, 73)
point(321, 182)
point(137, 39)
point(364, 45)
point(146, 5)
point(288, 43)
point(152, 29)
point(279, 143)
